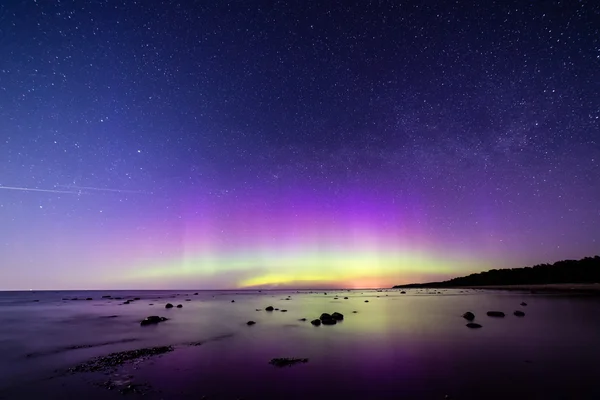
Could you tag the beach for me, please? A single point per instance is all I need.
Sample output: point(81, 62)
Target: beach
point(411, 345)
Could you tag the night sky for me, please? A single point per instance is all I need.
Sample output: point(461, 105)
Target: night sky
point(214, 144)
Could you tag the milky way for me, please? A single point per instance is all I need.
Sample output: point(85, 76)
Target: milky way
point(296, 144)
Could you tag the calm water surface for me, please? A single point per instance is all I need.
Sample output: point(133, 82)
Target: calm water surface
point(412, 345)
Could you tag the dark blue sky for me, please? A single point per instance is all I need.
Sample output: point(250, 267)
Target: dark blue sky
point(475, 124)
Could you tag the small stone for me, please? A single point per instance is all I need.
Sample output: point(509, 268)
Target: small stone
point(345, 298)
point(250, 323)
point(337, 316)
point(270, 308)
point(499, 314)
point(169, 305)
point(316, 322)
point(89, 298)
point(354, 312)
point(524, 304)
point(469, 316)
point(233, 301)
point(137, 298)
point(325, 316)
point(179, 306)
point(366, 301)
point(403, 292)
point(473, 325)
point(519, 313)
point(151, 320)
point(302, 319)
point(329, 321)
point(283, 310)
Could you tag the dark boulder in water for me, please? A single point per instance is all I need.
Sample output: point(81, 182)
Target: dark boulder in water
point(519, 313)
point(495, 314)
point(151, 320)
point(233, 301)
point(283, 310)
point(337, 316)
point(137, 298)
point(523, 304)
point(329, 321)
point(250, 323)
point(469, 316)
point(179, 305)
point(195, 294)
point(473, 325)
point(302, 319)
point(89, 298)
point(325, 316)
point(354, 312)
point(366, 301)
point(169, 305)
point(316, 322)
point(345, 298)
point(270, 308)
point(403, 292)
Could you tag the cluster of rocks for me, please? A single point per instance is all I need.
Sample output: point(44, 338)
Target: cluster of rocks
point(328, 319)
point(169, 305)
point(469, 316)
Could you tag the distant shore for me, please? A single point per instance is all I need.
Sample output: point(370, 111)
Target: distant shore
point(556, 287)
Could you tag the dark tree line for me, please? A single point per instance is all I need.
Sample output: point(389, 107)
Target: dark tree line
point(586, 270)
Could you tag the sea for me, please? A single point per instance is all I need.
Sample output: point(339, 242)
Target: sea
point(390, 345)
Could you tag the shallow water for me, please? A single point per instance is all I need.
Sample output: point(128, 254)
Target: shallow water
point(412, 345)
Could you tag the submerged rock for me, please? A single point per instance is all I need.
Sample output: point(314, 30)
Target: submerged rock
point(524, 304)
point(169, 305)
point(270, 308)
point(196, 294)
point(287, 362)
point(179, 306)
point(325, 316)
point(107, 296)
point(316, 322)
point(137, 298)
point(302, 319)
point(153, 319)
point(519, 313)
point(89, 298)
point(250, 323)
point(473, 325)
point(283, 310)
point(495, 314)
point(366, 301)
point(114, 360)
point(188, 299)
point(233, 301)
point(354, 312)
point(345, 298)
point(469, 316)
point(329, 321)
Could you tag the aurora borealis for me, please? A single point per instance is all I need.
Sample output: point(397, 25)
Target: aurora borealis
point(294, 144)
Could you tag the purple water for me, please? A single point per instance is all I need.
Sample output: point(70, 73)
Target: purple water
point(412, 345)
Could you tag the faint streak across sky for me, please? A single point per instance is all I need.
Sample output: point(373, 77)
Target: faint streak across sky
point(38, 190)
point(100, 189)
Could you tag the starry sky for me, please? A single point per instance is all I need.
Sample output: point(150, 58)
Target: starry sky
point(297, 144)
